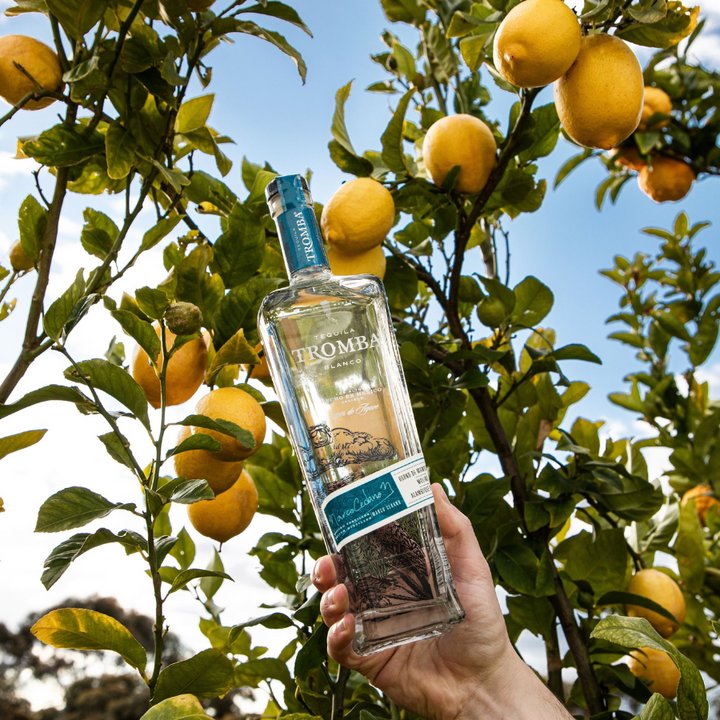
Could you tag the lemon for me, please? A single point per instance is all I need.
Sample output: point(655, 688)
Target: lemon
point(229, 513)
point(536, 43)
point(261, 371)
point(628, 157)
point(491, 312)
point(371, 262)
point(358, 216)
point(656, 101)
point(657, 586)
point(185, 371)
point(19, 261)
point(39, 60)
point(666, 179)
point(704, 500)
point(237, 406)
point(657, 668)
point(202, 465)
point(600, 98)
point(460, 140)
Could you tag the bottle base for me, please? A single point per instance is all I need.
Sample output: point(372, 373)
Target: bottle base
point(377, 630)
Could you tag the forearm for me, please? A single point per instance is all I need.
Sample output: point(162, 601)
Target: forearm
point(516, 694)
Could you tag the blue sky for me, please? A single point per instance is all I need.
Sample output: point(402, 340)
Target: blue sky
point(262, 104)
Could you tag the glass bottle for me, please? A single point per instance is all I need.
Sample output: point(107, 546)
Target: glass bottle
point(334, 361)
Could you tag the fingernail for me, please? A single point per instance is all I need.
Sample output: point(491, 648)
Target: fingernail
point(330, 597)
point(313, 573)
point(347, 623)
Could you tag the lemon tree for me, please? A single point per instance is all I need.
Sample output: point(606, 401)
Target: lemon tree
point(572, 525)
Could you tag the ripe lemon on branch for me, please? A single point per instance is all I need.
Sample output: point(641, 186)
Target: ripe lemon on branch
point(229, 513)
point(41, 66)
point(656, 101)
point(203, 465)
point(185, 371)
point(661, 588)
point(600, 98)
point(371, 262)
point(666, 179)
point(261, 371)
point(657, 668)
point(19, 261)
point(464, 141)
point(704, 500)
point(239, 407)
point(358, 216)
point(536, 43)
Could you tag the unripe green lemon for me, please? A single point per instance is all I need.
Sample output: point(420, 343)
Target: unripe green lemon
point(491, 312)
point(183, 318)
point(19, 261)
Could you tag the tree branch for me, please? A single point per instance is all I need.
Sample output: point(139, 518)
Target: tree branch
point(338, 696)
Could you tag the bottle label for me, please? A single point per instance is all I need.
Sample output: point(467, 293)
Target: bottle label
point(368, 504)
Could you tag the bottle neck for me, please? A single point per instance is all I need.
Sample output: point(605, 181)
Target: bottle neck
point(300, 240)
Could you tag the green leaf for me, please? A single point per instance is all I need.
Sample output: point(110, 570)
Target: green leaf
point(81, 629)
point(59, 312)
point(98, 234)
point(186, 492)
point(600, 559)
point(273, 621)
point(280, 11)
point(117, 448)
point(533, 301)
point(244, 437)
point(253, 672)
point(275, 496)
point(546, 132)
point(341, 150)
point(152, 302)
point(571, 164)
point(45, 394)
point(239, 251)
point(704, 340)
point(186, 576)
point(472, 49)
point(205, 675)
point(74, 507)
point(159, 231)
point(534, 614)
point(615, 597)
point(274, 38)
point(32, 222)
point(236, 351)
point(406, 11)
point(179, 707)
point(401, 283)
point(120, 147)
point(183, 550)
point(657, 708)
point(392, 138)
point(677, 24)
point(64, 145)
point(194, 113)
point(313, 653)
point(689, 549)
point(114, 381)
point(20, 441)
point(199, 441)
point(519, 568)
point(58, 561)
point(142, 332)
point(77, 16)
point(210, 585)
point(576, 352)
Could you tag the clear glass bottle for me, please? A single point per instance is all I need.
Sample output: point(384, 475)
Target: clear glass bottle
point(335, 364)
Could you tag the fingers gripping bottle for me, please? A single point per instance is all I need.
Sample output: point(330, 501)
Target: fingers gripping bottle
point(335, 364)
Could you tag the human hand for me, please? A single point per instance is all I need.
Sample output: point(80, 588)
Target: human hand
point(471, 672)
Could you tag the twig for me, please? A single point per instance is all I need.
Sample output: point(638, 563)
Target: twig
point(338, 696)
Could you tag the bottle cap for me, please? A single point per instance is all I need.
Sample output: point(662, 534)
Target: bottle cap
point(292, 189)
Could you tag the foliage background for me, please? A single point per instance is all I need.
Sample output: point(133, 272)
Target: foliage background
point(263, 106)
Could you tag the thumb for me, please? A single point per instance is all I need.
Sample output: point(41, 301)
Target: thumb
point(463, 550)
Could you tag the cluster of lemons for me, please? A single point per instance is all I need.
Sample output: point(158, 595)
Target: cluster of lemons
point(655, 666)
point(236, 497)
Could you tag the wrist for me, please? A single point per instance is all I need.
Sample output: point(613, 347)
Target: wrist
point(512, 691)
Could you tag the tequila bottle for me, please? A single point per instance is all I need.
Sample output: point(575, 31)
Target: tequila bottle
point(335, 364)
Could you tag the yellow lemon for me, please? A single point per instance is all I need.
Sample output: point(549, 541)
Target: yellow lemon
point(666, 180)
point(239, 407)
point(536, 43)
point(185, 371)
point(704, 500)
point(19, 261)
point(657, 586)
point(358, 216)
point(628, 157)
point(600, 98)
point(657, 668)
point(261, 371)
point(656, 101)
point(371, 262)
point(229, 513)
point(39, 60)
point(460, 140)
point(202, 465)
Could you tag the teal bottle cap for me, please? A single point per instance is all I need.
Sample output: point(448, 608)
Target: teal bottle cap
point(292, 208)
